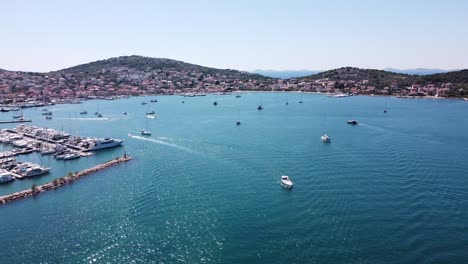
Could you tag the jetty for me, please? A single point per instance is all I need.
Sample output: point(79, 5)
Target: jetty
point(15, 121)
point(59, 182)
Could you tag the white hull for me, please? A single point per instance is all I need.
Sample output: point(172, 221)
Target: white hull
point(286, 182)
point(107, 145)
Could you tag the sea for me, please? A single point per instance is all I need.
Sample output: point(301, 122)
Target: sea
point(201, 189)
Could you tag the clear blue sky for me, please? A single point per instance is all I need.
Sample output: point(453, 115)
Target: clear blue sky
point(240, 34)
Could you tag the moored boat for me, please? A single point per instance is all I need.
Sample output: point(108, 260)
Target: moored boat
point(145, 132)
point(71, 156)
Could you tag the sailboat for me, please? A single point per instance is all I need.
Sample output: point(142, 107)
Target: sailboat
point(83, 112)
point(150, 112)
point(20, 115)
point(300, 101)
point(146, 132)
point(386, 105)
point(325, 138)
point(97, 110)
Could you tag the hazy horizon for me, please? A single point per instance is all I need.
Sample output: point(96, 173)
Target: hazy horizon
point(245, 35)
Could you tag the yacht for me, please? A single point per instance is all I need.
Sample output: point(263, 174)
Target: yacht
point(105, 143)
point(339, 95)
point(287, 182)
point(71, 156)
point(83, 112)
point(145, 132)
point(143, 103)
point(125, 113)
point(150, 112)
point(238, 96)
point(18, 116)
point(35, 171)
point(47, 151)
point(5, 176)
point(154, 101)
point(99, 115)
point(4, 110)
point(352, 122)
point(326, 138)
point(20, 143)
point(260, 107)
point(48, 117)
point(47, 113)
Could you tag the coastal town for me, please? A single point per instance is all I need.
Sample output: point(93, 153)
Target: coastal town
point(135, 76)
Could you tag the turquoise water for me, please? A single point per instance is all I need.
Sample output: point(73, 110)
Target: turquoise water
point(202, 190)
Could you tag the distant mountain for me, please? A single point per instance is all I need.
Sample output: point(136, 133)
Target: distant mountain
point(287, 74)
point(418, 71)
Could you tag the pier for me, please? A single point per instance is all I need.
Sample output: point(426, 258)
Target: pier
point(15, 121)
point(59, 182)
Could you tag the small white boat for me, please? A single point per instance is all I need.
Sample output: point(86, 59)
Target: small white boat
point(326, 138)
point(287, 182)
point(20, 143)
point(71, 156)
point(47, 151)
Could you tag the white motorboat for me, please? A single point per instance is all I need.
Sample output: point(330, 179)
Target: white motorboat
point(5, 176)
point(71, 156)
point(287, 182)
point(105, 143)
point(47, 151)
point(35, 171)
point(326, 138)
point(20, 143)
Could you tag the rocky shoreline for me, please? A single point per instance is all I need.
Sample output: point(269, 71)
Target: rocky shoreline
point(59, 182)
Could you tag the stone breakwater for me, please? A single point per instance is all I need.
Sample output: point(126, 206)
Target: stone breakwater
point(59, 182)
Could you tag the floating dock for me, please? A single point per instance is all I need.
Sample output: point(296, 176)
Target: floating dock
point(59, 182)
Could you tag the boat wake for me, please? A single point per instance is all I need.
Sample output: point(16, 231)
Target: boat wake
point(85, 118)
point(162, 143)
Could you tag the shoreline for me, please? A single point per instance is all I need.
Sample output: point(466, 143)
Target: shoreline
point(370, 95)
point(59, 182)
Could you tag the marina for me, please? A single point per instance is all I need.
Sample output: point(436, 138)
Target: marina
point(28, 139)
point(59, 182)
